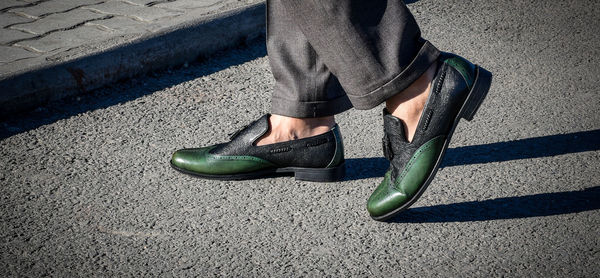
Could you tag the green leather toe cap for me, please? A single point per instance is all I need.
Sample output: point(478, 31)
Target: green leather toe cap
point(201, 161)
point(385, 198)
point(394, 192)
point(191, 159)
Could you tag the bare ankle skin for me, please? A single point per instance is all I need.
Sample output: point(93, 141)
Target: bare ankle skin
point(283, 128)
point(408, 104)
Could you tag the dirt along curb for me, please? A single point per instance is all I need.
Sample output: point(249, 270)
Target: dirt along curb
point(168, 48)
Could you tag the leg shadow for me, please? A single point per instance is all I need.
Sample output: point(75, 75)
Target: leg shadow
point(506, 208)
point(544, 146)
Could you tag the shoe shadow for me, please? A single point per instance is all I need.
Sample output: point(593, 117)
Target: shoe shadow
point(544, 146)
point(502, 208)
point(506, 208)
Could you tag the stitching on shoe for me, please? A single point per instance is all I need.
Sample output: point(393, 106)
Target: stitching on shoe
point(436, 91)
point(440, 81)
point(427, 119)
point(280, 150)
point(413, 159)
point(238, 157)
point(317, 142)
point(412, 162)
point(335, 152)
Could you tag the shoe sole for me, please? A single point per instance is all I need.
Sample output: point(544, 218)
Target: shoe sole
point(481, 86)
point(302, 174)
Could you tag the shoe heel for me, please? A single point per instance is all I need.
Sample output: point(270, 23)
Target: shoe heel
point(481, 86)
point(321, 174)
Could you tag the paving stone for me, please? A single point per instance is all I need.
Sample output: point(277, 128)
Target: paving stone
point(55, 6)
point(143, 2)
point(59, 21)
point(5, 4)
point(63, 30)
point(67, 39)
point(7, 19)
point(136, 12)
point(10, 54)
point(121, 25)
point(9, 35)
point(193, 4)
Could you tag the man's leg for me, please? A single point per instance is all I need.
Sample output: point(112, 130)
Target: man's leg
point(376, 50)
point(374, 47)
point(306, 94)
point(300, 137)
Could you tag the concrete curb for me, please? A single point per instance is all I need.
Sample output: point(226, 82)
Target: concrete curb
point(171, 47)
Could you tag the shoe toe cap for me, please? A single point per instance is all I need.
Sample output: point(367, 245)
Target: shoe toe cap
point(385, 199)
point(382, 206)
point(202, 162)
point(190, 159)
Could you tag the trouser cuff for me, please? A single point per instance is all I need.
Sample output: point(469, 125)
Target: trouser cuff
point(426, 56)
point(311, 109)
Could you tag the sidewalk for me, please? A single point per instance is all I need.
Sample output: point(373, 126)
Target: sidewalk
point(50, 49)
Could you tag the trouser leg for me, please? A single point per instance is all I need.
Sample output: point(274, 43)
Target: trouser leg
point(373, 47)
point(304, 86)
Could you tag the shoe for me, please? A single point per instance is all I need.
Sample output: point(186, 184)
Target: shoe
point(317, 158)
point(458, 90)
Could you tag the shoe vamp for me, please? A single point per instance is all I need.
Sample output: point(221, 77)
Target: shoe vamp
point(315, 152)
point(418, 167)
point(297, 154)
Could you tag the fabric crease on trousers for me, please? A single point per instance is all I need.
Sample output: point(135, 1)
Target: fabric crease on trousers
point(328, 56)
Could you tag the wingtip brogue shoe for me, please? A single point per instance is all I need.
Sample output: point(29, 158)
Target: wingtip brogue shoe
point(458, 90)
point(316, 158)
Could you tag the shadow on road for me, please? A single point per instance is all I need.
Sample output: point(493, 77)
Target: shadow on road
point(545, 146)
point(103, 97)
point(506, 208)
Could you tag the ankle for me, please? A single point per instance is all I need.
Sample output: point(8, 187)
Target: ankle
point(408, 105)
point(283, 128)
point(300, 124)
point(410, 97)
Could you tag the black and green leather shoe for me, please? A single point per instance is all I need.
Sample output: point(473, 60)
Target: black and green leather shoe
point(317, 158)
point(458, 90)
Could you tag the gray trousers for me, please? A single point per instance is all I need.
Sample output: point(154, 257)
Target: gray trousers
point(330, 55)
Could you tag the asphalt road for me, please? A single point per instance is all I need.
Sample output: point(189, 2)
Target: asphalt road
point(87, 189)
